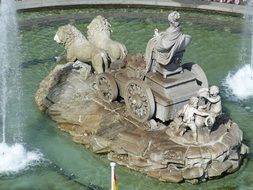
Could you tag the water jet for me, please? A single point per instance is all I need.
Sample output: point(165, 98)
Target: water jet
point(13, 157)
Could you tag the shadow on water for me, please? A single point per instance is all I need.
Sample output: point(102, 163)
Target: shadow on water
point(48, 165)
point(72, 177)
point(34, 62)
point(226, 111)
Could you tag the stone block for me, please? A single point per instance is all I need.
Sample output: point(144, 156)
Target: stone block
point(193, 173)
point(100, 145)
point(228, 140)
point(217, 168)
point(82, 68)
point(171, 175)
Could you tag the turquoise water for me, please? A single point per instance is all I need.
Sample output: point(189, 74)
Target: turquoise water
point(216, 46)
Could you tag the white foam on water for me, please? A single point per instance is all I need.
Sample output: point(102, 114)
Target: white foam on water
point(240, 83)
point(15, 158)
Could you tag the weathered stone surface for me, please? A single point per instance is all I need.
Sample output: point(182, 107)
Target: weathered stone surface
point(82, 68)
point(171, 174)
point(49, 83)
point(244, 149)
point(193, 173)
point(52, 88)
point(100, 144)
point(217, 168)
point(107, 128)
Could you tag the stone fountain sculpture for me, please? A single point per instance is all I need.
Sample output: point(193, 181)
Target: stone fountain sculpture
point(165, 50)
point(99, 34)
point(170, 125)
point(77, 47)
point(159, 85)
point(200, 112)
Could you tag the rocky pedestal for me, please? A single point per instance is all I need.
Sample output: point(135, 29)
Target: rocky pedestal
point(69, 96)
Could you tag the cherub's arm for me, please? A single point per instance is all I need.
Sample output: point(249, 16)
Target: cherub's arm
point(213, 100)
point(201, 113)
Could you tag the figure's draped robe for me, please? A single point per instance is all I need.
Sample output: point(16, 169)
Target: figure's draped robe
point(162, 48)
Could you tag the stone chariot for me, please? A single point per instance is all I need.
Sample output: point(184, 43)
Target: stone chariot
point(155, 85)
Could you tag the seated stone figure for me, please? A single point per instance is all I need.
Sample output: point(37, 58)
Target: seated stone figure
point(166, 48)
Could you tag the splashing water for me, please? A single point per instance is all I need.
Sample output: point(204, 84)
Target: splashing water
point(240, 83)
point(12, 158)
point(15, 158)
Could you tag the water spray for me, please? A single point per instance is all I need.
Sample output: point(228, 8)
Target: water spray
point(13, 158)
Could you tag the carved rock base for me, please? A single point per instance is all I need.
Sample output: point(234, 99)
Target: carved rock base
point(107, 128)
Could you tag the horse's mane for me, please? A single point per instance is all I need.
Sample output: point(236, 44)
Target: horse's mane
point(71, 33)
point(99, 25)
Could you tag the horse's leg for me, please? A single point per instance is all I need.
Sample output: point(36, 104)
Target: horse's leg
point(123, 51)
point(71, 56)
point(97, 63)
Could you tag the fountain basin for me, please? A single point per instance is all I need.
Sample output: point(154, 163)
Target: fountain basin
point(38, 29)
point(185, 4)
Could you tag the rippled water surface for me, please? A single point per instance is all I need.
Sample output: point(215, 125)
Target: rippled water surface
point(216, 46)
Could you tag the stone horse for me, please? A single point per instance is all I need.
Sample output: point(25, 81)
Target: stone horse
point(77, 47)
point(99, 34)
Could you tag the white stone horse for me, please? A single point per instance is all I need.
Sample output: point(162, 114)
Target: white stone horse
point(77, 47)
point(99, 34)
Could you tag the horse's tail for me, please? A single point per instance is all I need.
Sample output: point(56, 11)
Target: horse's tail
point(123, 51)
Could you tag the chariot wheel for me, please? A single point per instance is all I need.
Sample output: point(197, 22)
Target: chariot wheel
point(139, 100)
point(107, 87)
point(198, 72)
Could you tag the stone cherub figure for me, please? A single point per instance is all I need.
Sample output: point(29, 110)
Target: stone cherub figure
point(210, 101)
point(200, 112)
point(167, 48)
point(188, 115)
point(215, 100)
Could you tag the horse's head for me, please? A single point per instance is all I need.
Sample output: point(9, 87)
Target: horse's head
point(99, 26)
point(67, 34)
